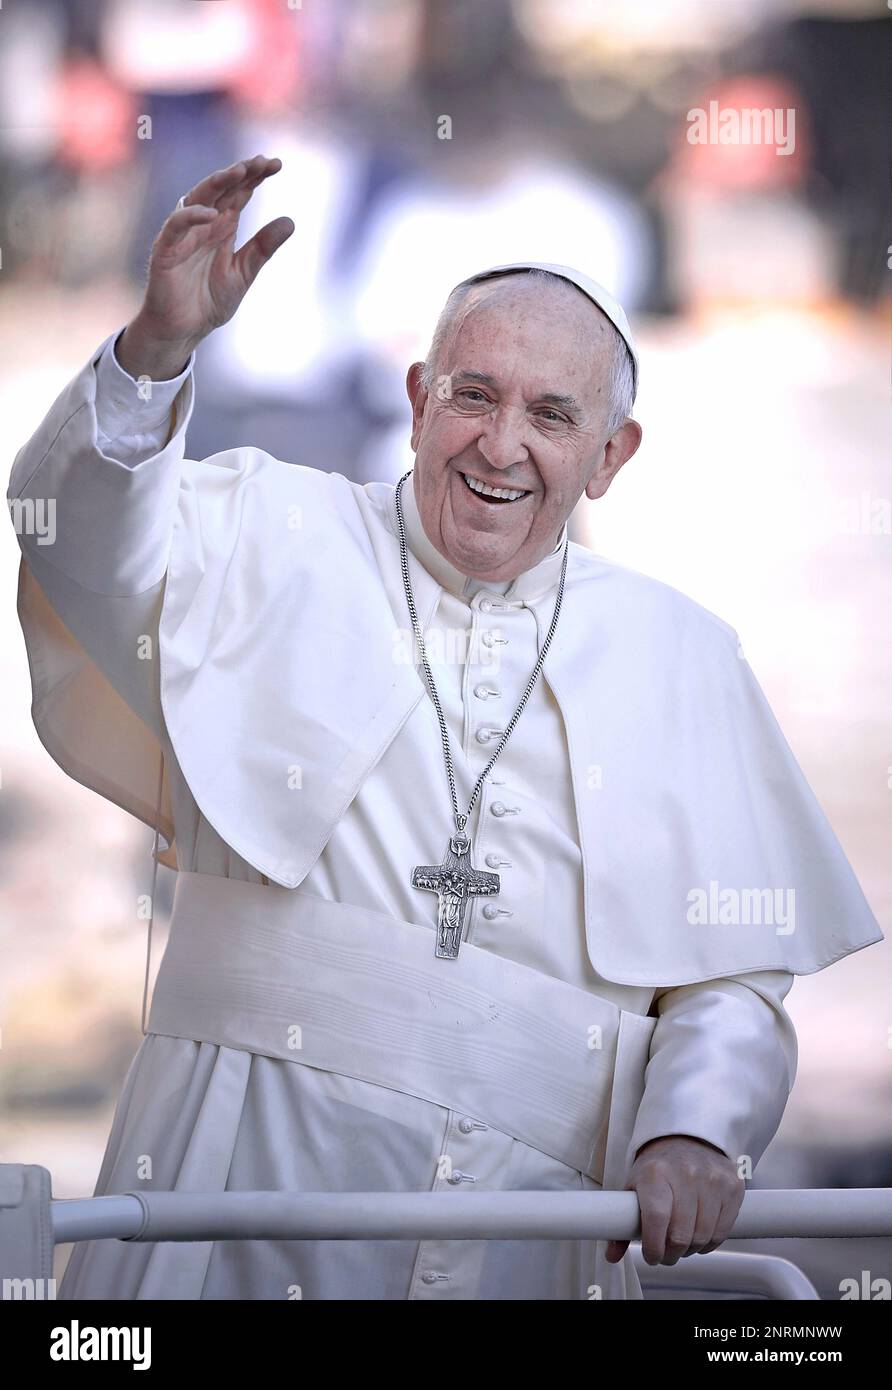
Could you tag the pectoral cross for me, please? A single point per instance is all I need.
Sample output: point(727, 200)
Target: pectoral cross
point(456, 881)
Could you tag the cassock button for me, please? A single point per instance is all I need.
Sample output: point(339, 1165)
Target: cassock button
point(486, 605)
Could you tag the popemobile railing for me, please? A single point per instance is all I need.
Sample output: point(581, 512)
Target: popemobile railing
point(528, 1215)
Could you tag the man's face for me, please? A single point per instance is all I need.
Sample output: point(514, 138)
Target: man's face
point(520, 401)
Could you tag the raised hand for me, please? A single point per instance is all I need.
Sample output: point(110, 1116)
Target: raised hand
point(196, 278)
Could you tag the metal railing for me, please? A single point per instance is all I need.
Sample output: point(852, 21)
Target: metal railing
point(27, 1208)
point(200, 1216)
point(142, 1216)
point(724, 1273)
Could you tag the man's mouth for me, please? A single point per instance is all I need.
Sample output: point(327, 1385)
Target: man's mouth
point(495, 495)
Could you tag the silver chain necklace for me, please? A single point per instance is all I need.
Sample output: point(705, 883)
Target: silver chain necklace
point(456, 881)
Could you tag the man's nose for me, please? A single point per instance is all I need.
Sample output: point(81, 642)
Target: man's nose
point(503, 439)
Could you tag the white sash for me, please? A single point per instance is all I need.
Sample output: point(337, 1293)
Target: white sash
point(279, 972)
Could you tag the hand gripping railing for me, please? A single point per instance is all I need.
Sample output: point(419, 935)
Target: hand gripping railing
point(197, 1216)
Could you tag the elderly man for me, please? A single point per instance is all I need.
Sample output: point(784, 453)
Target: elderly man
point(493, 867)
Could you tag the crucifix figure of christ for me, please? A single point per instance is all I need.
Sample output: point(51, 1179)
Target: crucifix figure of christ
point(455, 881)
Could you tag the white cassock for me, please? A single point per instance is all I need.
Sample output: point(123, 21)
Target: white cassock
point(303, 1036)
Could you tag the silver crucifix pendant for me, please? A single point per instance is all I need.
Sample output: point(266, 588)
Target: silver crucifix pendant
point(455, 881)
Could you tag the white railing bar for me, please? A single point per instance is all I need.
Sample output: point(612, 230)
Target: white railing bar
point(727, 1271)
point(480, 1215)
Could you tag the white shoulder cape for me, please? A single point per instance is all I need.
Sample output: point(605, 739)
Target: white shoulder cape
point(281, 599)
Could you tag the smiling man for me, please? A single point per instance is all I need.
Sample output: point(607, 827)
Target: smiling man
point(503, 457)
point(432, 924)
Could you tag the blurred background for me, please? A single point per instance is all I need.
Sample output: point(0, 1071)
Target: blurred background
point(423, 140)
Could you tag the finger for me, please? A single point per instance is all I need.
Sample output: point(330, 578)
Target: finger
point(655, 1201)
point(709, 1210)
point(725, 1222)
point(262, 246)
point(615, 1250)
point(183, 220)
point(681, 1225)
point(208, 190)
point(256, 171)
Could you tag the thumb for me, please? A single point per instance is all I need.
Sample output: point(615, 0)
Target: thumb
point(262, 246)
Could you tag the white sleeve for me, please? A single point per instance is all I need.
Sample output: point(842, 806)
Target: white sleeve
point(723, 1060)
point(102, 520)
point(94, 506)
point(134, 417)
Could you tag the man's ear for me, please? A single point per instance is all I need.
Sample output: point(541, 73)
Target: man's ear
point(619, 447)
point(418, 398)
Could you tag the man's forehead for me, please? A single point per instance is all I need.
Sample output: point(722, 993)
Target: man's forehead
point(507, 337)
point(557, 324)
point(592, 290)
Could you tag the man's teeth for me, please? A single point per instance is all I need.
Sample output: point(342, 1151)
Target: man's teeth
point(510, 494)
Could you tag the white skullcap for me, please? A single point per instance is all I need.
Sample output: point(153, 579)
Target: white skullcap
point(597, 293)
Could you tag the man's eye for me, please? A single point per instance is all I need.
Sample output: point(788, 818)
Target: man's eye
point(550, 415)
